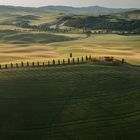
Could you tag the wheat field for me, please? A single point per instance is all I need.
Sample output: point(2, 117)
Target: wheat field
point(119, 46)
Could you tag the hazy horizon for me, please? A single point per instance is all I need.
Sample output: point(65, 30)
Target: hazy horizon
point(73, 3)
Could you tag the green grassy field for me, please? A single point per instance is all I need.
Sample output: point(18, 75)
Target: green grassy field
point(75, 102)
point(16, 37)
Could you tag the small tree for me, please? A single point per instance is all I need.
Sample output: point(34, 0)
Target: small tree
point(6, 66)
point(122, 60)
point(78, 60)
point(22, 64)
point(82, 59)
point(70, 54)
point(63, 61)
point(11, 65)
point(53, 61)
point(16, 65)
point(27, 64)
point(33, 64)
point(88, 33)
point(73, 60)
point(68, 60)
point(38, 64)
point(59, 62)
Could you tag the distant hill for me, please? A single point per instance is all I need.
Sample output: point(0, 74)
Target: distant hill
point(7, 9)
point(134, 12)
point(90, 9)
point(131, 14)
point(64, 9)
point(127, 21)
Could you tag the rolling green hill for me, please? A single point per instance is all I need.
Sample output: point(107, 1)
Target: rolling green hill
point(16, 37)
point(75, 102)
point(105, 22)
point(130, 15)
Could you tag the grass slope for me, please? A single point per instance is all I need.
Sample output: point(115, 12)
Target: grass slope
point(79, 102)
point(29, 49)
point(15, 37)
point(130, 15)
point(103, 45)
